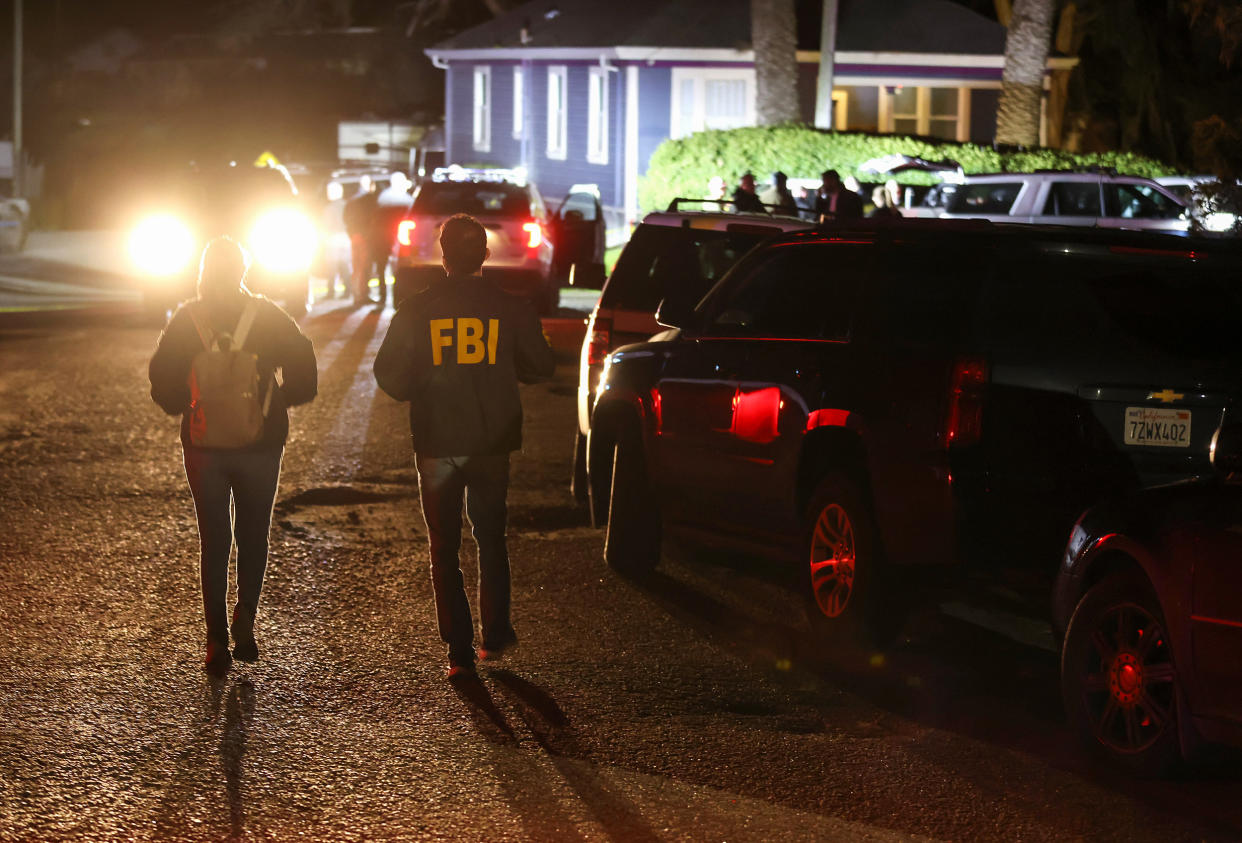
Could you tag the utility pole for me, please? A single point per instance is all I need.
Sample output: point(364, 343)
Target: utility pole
point(17, 98)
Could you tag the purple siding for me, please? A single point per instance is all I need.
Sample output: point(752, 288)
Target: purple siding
point(655, 111)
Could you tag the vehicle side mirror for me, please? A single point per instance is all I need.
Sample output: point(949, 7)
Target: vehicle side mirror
point(587, 276)
point(1226, 449)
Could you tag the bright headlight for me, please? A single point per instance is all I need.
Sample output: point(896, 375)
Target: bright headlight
point(283, 241)
point(161, 245)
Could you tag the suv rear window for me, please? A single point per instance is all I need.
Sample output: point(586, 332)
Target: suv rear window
point(658, 256)
point(1077, 303)
point(480, 199)
point(991, 197)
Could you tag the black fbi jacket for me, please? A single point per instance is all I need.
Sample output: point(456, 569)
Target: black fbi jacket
point(457, 352)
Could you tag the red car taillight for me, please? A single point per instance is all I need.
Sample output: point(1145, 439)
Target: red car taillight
point(535, 234)
point(963, 423)
point(405, 230)
point(598, 335)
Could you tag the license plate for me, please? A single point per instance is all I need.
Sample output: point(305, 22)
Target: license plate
point(1157, 426)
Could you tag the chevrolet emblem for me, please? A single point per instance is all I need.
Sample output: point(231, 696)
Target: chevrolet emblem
point(1167, 396)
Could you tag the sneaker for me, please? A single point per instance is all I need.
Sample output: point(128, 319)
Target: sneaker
point(218, 660)
point(463, 671)
point(494, 652)
point(245, 648)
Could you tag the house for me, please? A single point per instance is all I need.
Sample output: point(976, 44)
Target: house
point(583, 91)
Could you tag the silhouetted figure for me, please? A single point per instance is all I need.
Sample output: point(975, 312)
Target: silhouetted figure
point(745, 200)
point(456, 352)
point(834, 201)
point(215, 365)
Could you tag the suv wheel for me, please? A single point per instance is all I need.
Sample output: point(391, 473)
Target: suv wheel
point(632, 541)
point(1118, 681)
point(842, 564)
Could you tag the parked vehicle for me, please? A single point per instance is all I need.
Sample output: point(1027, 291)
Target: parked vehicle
point(257, 206)
point(1149, 596)
point(884, 395)
point(689, 246)
point(521, 232)
point(1060, 197)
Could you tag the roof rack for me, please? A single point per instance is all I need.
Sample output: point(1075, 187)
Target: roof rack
point(720, 205)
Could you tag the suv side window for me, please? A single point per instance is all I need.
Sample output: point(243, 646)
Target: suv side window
point(659, 257)
point(1073, 199)
point(1139, 201)
point(985, 197)
point(803, 291)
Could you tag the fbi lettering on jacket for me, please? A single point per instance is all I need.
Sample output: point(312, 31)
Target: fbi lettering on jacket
point(467, 336)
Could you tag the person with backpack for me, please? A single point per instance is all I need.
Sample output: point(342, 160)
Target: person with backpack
point(457, 352)
point(216, 364)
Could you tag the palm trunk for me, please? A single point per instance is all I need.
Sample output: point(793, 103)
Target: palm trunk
point(1022, 85)
point(774, 35)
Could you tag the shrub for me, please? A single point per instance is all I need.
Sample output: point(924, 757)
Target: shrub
point(683, 167)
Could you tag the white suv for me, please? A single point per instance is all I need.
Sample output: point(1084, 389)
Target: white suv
point(1058, 197)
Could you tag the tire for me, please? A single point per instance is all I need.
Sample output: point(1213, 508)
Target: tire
point(842, 568)
point(632, 541)
point(1118, 681)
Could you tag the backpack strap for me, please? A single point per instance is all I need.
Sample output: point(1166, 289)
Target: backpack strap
point(244, 322)
point(204, 331)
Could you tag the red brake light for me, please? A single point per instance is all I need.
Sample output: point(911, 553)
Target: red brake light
point(536, 234)
point(963, 423)
point(404, 229)
point(599, 330)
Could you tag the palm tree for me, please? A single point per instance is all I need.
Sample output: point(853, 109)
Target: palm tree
point(774, 34)
point(1022, 85)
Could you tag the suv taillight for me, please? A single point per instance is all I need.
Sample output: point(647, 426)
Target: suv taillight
point(534, 234)
point(963, 423)
point(405, 230)
point(598, 335)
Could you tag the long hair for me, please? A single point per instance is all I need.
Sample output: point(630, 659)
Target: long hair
point(222, 270)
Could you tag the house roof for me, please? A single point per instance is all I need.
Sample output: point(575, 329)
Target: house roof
point(889, 26)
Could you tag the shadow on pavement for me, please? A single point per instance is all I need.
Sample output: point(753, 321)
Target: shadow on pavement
point(942, 673)
point(487, 718)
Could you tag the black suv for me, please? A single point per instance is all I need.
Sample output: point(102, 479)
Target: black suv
point(883, 395)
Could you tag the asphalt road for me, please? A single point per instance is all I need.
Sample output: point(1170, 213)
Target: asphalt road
point(688, 707)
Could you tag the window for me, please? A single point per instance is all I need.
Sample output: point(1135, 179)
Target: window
point(916, 110)
point(988, 197)
point(597, 116)
point(1073, 199)
point(483, 108)
point(659, 259)
point(1139, 201)
point(804, 292)
point(519, 103)
point(557, 140)
point(712, 98)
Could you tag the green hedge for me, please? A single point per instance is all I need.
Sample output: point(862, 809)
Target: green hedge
point(683, 167)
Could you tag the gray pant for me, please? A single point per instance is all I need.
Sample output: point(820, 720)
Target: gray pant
point(247, 480)
point(483, 481)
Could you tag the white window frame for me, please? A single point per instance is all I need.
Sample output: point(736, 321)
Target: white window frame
point(519, 102)
point(597, 116)
point(481, 100)
point(923, 115)
point(558, 126)
point(698, 77)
